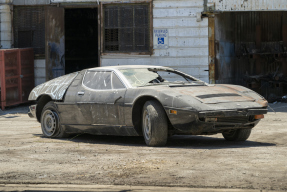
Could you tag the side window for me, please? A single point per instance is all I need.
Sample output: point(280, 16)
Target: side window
point(98, 80)
point(116, 83)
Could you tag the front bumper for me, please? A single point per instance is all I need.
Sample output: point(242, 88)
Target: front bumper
point(32, 111)
point(232, 113)
point(194, 122)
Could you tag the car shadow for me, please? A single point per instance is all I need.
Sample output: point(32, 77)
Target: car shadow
point(178, 141)
point(16, 109)
point(205, 142)
point(55, 190)
point(8, 117)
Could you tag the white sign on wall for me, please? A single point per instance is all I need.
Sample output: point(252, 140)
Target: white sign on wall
point(160, 38)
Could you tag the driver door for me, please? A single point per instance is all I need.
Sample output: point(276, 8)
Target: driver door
point(101, 98)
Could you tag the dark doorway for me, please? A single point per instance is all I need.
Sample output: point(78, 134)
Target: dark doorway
point(251, 50)
point(81, 39)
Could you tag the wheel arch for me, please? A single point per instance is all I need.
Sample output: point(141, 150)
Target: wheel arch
point(137, 111)
point(42, 100)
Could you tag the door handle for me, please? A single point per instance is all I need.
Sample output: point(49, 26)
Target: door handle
point(81, 93)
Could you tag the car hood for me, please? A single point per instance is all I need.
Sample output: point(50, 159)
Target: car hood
point(213, 94)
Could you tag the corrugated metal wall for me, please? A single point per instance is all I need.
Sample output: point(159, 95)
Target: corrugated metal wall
point(188, 39)
point(270, 22)
point(251, 51)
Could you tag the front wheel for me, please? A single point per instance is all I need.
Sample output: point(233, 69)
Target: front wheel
point(50, 121)
point(237, 135)
point(154, 124)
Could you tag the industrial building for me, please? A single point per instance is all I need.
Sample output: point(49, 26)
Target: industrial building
point(218, 41)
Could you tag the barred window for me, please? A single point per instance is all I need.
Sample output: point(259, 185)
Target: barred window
point(29, 28)
point(126, 28)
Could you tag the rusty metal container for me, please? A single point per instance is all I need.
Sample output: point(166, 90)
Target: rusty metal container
point(16, 75)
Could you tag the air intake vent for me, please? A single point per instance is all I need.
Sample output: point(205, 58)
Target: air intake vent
point(218, 95)
point(233, 119)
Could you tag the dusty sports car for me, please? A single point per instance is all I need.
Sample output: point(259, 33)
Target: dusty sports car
point(150, 101)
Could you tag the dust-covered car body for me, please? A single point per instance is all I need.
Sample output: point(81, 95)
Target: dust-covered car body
point(136, 100)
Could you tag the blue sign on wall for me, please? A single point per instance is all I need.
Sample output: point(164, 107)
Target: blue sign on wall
point(160, 37)
point(160, 41)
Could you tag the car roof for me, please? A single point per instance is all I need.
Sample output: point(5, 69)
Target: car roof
point(118, 67)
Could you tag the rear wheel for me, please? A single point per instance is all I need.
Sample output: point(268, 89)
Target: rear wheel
point(237, 135)
point(154, 124)
point(50, 121)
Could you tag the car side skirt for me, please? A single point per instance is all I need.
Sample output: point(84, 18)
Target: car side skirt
point(101, 130)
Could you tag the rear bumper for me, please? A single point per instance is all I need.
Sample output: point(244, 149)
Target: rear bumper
point(32, 111)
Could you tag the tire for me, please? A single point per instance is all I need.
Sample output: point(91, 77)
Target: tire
point(154, 124)
point(50, 122)
point(237, 135)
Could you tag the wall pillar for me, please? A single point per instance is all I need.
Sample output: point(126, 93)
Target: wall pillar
point(5, 26)
point(211, 45)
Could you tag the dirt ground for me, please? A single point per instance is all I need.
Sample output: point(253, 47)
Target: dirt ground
point(187, 161)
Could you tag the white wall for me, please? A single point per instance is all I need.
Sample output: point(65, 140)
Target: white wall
point(188, 39)
point(5, 26)
point(40, 71)
point(249, 5)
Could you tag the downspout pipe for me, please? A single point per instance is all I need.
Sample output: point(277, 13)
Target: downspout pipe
point(5, 26)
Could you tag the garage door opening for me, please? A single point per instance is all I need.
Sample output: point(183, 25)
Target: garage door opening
point(81, 39)
point(251, 50)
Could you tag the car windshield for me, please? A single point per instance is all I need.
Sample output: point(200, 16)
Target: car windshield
point(156, 76)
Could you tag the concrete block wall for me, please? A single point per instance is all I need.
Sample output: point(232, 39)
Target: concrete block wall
point(40, 71)
point(5, 25)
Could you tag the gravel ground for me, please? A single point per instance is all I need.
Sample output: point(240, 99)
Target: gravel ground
point(186, 161)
